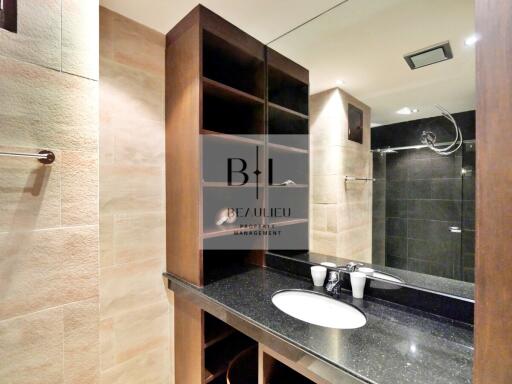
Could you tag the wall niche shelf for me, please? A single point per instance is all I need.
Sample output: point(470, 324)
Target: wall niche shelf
point(222, 85)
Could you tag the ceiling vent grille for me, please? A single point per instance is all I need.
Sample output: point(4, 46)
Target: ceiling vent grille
point(430, 55)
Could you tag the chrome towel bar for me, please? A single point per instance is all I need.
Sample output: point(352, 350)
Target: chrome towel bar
point(45, 157)
point(352, 178)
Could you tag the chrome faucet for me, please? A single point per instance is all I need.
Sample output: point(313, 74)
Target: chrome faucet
point(334, 281)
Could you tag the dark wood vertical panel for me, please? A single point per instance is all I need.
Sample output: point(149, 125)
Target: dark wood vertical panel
point(493, 310)
point(9, 16)
point(182, 148)
point(188, 343)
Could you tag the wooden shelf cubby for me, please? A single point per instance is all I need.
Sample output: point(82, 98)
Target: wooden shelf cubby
point(296, 231)
point(221, 263)
point(287, 92)
point(228, 112)
point(289, 165)
point(296, 198)
point(276, 372)
point(215, 330)
point(288, 84)
point(222, 345)
point(233, 66)
point(216, 148)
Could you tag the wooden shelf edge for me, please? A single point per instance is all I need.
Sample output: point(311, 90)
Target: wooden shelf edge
point(233, 137)
point(288, 148)
point(210, 376)
point(221, 336)
point(221, 184)
point(288, 186)
point(288, 222)
point(230, 90)
point(287, 110)
point(222, 232)
point(219, 233)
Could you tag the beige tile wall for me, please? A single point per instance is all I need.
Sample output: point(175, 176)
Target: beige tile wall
point(340, 212)
point(49, 240)
point(82, 242)
point(135, 309)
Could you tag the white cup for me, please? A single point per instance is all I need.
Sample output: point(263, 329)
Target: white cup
point(318, 273)
point(357, 280)
point(328, 264)
point(366, 270)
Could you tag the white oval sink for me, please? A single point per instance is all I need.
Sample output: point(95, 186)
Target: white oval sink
point(318, 309)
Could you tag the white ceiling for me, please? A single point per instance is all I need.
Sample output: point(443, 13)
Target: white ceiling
point(263, 19)
point(363, 42)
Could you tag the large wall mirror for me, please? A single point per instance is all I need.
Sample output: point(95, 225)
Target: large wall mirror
point(401, 199)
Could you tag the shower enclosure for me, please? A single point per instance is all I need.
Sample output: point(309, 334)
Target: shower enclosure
point(424, 207)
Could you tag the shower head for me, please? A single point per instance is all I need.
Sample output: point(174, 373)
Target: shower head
point(429, 138)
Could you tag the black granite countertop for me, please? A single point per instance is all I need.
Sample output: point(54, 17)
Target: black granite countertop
point(396, 346)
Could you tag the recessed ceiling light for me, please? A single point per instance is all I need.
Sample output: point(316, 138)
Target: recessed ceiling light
point(340, 82)
point(471, 40)
point(407, 111)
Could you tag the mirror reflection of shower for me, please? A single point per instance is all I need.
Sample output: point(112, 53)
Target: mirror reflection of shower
point(423, 197)
point(419, 156)
point(429, 138)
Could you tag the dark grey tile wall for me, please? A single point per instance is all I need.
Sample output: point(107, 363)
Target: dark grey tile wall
point(424, 194)
point(423, 199)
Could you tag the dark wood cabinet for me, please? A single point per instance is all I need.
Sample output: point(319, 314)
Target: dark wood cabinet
point(222, 84)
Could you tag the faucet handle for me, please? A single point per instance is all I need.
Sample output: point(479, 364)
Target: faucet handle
point(352, 266)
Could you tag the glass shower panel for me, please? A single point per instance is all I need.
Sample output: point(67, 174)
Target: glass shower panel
point(418, 224)
point(468, 211)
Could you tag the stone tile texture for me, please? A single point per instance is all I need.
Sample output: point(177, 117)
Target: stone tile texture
point(341, 212)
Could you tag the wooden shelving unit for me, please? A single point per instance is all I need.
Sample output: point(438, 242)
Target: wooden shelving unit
point(225, 86)
point(288, 144)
